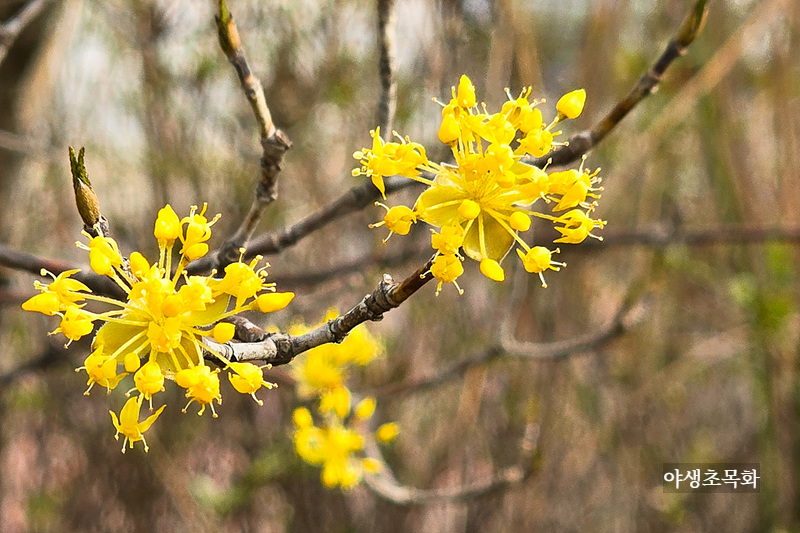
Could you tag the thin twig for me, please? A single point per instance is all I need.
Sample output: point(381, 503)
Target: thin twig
point(387, 101)
point(647, 84)
point(274, 142)
point(14, 142)
point(709, 76)
point(10, 29)
point(657, 235)
point(628, 315)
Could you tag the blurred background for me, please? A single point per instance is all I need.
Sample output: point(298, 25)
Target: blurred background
point(701, 197)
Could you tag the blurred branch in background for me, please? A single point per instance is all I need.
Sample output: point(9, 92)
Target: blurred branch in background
point(387, 101)
point(12, 27)
point(714, 70)
point(647, 84)
point(384, 484)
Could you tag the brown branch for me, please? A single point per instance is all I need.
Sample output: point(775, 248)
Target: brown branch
point(387, 102)
point(506, 347)
point(274, 142)
point(647, 84)
point(657, 236)
point(361, 196)
point(385, 485)
point(626, 317)
point(10, 29)
point(14, 142)
point(281, 348)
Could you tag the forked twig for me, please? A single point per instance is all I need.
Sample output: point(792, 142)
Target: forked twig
point(274, 142)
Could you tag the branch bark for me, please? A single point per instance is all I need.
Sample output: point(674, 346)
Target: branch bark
point(281, 348)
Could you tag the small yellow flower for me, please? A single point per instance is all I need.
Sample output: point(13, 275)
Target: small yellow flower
point(274, 301)
point(337, 444)
point(302, 418)
point(101, 369)
point(198, 231)
point(75, 323)
point(469, 209)
point(571, 104)
point(387, 432)
point(323, 368)
point(248, 378)
point(365, 408)
point(577, 226)
point(128, 423)
point(333, 447)
point(149, 379)
point(446, 268)
point(202, 386)
point(62, 293)
point(398, 219)
point(448, 240)
point(538, 259)
point(492, 270)
point(449, 130)
point(223, 332)
point(131, 362)
point(104, 255)
point(168, 226)
point(519, 221)
point(387, 159)
point(466, 92)
point(44, 302)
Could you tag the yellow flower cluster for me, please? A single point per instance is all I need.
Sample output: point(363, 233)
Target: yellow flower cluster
point(337, 443)
point(158, 333)
point(480, 204)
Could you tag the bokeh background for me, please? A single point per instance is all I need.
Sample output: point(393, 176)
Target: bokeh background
point(701, 197)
